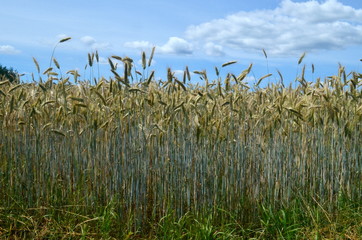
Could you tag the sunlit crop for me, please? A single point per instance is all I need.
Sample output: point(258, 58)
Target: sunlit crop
point(151, 146)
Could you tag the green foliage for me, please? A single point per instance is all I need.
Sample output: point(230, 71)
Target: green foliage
point(8, 74)
point(280, 223)
point(79, 222)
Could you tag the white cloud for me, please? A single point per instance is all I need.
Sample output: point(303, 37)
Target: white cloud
point(315, 12)
point(213, 49)
point(94, 44)
point(291, 28)
point(141, 45)
point(8, 50)
point(88, 40)
point(176, 45)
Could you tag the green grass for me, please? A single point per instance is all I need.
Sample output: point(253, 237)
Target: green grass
point(297, 221)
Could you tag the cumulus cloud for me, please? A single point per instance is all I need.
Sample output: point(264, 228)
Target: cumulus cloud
point(88, 40)
point(176, 45)
point(291, 28)
point(93, 43)
point(213, 49)
point(8, 50)
point(141, 45)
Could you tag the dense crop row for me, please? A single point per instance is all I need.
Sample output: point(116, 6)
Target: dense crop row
point(153, 146)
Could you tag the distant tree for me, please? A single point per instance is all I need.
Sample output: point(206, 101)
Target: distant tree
point(8, 74)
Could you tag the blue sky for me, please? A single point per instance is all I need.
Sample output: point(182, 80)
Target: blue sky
point(198, 34)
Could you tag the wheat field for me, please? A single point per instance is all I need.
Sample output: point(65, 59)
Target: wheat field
point(151, 146)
